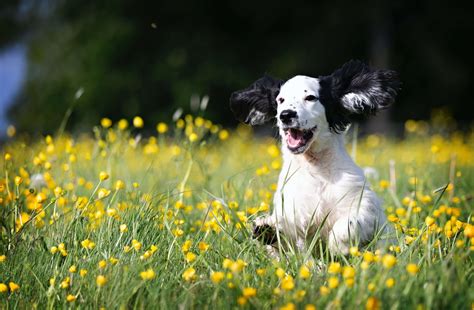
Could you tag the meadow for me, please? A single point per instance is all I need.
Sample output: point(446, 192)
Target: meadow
point(123, 219)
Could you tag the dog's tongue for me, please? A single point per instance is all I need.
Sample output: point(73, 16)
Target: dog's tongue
point(294, 137)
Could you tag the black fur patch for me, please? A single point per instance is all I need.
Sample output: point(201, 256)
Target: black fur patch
point(256, 104)
point(265, 234)
point(376, 90)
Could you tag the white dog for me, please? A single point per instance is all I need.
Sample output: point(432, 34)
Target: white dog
point(320, 188)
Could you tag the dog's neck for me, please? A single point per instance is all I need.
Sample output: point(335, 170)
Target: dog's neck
point(326, 157)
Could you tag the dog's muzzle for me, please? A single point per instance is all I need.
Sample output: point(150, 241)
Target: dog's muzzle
point(298, 139)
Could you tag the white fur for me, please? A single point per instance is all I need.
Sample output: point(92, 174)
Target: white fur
point(321, 182)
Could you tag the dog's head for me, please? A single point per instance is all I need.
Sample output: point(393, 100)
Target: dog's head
point(307, 108)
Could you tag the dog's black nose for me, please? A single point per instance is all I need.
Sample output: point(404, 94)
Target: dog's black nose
point(286, 116)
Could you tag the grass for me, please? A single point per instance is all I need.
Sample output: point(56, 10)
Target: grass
point(167, 223)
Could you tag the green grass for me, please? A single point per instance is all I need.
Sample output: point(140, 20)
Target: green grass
point(192, 194)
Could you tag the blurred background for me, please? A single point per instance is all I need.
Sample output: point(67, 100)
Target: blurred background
point(124, 58)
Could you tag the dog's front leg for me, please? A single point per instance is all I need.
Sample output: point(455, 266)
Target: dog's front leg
point(343, 235)
point(264, 229)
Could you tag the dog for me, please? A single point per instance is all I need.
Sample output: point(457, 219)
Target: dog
point(321, 191)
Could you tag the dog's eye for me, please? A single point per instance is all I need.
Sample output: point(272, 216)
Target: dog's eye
point(281, 100)
point(310, 98)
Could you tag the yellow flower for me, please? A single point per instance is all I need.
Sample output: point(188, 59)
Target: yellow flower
point(203, 246)
point(368, 257)
point(333, 282)
point(392, 218)
point(88, 244)
point(334, 268)
point(469, 231)
point(237, 266)
point(136, 245)
point(13, 287)
point(310, 307)
point(412, 269)
point(349, 282)
point(388, 261)
point(123, 228)
point(161, 128)
point(122, 124)
point(241, 300)
point(102, 264)
point(304, 273)
point(409, 239)
point(3, 258)
point(261, 271)
point(113, 260)
point(371, 287)
point(426, 199)
point(106, 122)
point(390, 282)
point(288, 306)
point(189, 274)
point(217, 277)
point(119, 185)
point(83, 272)
point(18, 180)
point(384, 184)
point(148, 274)
point(372, 304)
point(3, 288)
point(223, 134)
point(111, 212)
point(65, 283)
point(73, 269)
point(348, 272)
point(280, 273)
point(100, 280)
point(138, 122)
point(41, 197)
point(71, 298)
point(103, 176)
point(8, 156)
point(287, 283)
point(249, 292)
point(324, 290)
point(406, 200)
point(354, 251)
point(193, 137)
point(186, 246)
point(429, 221)
point(190, 257)
point(459, 243)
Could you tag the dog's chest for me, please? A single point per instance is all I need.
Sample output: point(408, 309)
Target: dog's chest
point(301, 198)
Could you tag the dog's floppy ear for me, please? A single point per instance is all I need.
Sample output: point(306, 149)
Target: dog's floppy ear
point(356, 91)
point(256, 104)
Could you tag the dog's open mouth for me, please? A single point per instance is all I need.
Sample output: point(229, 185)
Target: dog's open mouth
point(298, 139)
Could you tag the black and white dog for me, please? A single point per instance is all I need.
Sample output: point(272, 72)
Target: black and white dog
point(320, 188)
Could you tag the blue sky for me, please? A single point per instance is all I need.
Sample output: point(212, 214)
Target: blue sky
point(13, 66)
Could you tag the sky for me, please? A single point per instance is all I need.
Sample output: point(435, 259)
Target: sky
point(13, 66)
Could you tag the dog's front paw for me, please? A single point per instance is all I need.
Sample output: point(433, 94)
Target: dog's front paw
point(265, 233)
